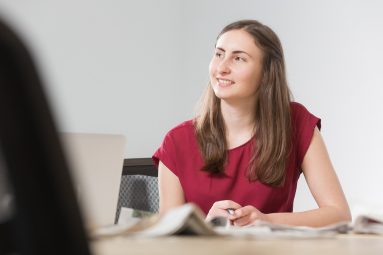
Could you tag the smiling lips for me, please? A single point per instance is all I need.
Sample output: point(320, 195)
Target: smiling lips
point(224, 82)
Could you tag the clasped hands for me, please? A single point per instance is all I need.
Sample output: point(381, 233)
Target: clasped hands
point(240, 216)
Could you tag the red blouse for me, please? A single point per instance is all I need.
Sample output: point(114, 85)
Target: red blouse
point(180, 153)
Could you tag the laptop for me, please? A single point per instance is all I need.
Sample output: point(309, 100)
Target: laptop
point(96, 162)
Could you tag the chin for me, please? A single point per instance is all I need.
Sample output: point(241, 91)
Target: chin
point(219, 94)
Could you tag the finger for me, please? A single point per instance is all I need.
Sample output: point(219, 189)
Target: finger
point(239, 213)
point(219, 212)
point(246, 210)
point(243, 221)
point(216, 212)
point(219, 208)
point(230, 211)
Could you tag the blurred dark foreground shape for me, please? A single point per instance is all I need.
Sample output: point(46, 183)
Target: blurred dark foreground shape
point(43, 216)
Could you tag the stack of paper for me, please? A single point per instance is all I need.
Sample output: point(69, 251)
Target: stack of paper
point(189, 219)
point(369, 224)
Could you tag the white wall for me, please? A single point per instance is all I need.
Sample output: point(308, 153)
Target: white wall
point(139, 67)
point(110, 67)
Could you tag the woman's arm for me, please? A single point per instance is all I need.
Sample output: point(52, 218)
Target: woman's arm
point(170, 190)
point(324, 186)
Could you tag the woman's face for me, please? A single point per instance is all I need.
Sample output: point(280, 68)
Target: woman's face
point(236, 67)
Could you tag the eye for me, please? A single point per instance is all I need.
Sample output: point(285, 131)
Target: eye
point(218, 54)
point(239, 59)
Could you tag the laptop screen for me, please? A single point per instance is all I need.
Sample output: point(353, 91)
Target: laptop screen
point(96, 161)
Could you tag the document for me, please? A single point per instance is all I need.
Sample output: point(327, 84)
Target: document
point(369, 224)
point(188, 219)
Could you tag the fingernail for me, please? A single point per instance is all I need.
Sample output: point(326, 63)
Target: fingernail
point(230, 211)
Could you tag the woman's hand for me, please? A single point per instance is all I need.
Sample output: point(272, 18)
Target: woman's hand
point(219, 208)
point(246, 215)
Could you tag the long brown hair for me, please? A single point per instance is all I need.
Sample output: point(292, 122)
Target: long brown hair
point(273, 130)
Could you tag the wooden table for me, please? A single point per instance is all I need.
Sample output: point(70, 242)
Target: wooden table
point(185, 245)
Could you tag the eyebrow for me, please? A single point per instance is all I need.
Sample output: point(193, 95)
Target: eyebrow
point(234, 52)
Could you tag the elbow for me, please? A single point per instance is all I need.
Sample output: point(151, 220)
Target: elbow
point(344, 214)
point(347, 216)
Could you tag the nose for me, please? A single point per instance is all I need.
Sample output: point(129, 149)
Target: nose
point(223, 67)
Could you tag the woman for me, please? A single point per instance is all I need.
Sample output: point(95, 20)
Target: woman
point(248, 145)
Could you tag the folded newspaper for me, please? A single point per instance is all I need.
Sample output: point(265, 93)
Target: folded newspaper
point(188, 219)
point(369, 224)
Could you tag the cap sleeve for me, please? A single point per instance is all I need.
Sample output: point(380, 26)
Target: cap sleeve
point(166, 153)
point(304, 124)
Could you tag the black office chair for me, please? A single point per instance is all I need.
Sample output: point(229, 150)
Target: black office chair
point(139, 187)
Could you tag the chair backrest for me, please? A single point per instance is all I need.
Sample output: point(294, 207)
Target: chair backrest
point(138, 187)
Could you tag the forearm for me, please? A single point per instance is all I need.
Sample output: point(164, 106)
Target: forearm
point(313, 218)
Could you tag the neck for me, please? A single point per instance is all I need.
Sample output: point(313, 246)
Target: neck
point(239, 121)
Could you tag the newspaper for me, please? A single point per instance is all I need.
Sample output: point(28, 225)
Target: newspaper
point(263, 229)
point(369, 224)
point(189, 219)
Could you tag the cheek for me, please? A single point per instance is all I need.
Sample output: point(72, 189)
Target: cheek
point(252, 76)
point(211, 66)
